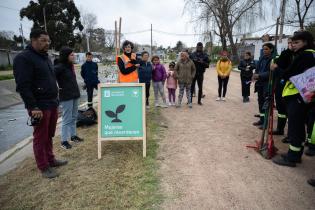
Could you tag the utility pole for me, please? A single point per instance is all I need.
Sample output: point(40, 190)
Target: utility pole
point(282, 16)
point(21, 31)
point(151, 41)
point(115, 41)
point(44, 14)
point(87, 40)
point(277, 33)
point(119, 34)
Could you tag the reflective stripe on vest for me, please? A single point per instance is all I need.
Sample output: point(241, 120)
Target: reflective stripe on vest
point(294, 149)
point(313, 135)
point(131, 77)
point(289, 89)
point(282, 116)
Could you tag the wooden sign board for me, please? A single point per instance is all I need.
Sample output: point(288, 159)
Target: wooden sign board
point(121, 113)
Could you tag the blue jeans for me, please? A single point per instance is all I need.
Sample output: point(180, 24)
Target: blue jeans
point(69, 117)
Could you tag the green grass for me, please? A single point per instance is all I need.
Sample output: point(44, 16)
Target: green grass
point(6, 67)
point(6, 77)
point(122, 179)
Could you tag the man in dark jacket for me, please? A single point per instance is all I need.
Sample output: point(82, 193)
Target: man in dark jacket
point(145, 74)
point(201, 61)
point(89, 72)
point(36, 82)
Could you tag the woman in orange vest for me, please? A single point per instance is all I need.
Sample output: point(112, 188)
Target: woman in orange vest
point(224, 67)
point(128, 65)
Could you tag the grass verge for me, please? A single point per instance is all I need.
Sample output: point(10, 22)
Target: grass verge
point(6, 77)
point(122, 179)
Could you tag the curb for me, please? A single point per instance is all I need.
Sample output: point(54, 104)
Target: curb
point(5, 155)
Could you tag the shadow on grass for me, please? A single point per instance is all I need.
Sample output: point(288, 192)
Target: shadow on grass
point(122, 179)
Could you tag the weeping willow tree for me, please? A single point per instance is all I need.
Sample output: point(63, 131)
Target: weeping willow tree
point(225, 17)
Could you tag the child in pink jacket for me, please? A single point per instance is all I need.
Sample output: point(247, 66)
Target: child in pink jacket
point(171, 84)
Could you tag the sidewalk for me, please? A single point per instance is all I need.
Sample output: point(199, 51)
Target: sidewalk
point(8, 95)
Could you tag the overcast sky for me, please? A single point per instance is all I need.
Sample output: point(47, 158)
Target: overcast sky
point(137, 15)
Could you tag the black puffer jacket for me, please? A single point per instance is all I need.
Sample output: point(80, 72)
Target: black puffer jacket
point(201, 61)
point(303, 60)
point(68, 86)
point(247, 67)
point(35, 79)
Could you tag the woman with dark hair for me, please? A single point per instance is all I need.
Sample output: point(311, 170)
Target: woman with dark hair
point(246, 66)
point(69, 94)
point(262, 76)
point(304, 58)
point(127, 64)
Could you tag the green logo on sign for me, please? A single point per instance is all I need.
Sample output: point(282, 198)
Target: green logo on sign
point(112, 114)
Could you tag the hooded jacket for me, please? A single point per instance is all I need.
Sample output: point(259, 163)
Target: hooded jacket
point(145, 72)
point(159, 73)
point(67, 82)
point(185, 71)
point(89, 72)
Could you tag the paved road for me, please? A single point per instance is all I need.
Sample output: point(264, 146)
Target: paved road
point(13, 128)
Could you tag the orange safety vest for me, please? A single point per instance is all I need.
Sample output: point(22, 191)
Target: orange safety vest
point(133, 76)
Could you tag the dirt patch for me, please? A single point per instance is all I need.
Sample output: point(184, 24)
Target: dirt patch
point(205, 164)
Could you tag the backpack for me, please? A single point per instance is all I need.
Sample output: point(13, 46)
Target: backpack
point(86, 117)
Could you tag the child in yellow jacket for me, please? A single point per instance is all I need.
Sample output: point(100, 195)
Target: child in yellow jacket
point(224, 67)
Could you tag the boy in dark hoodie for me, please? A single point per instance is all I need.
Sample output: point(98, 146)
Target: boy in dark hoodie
point(89, 72)
point(145, 74)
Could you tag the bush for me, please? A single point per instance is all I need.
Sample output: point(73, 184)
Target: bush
point(6, 67)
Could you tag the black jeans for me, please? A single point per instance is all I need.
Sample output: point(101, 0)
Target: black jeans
point(297, 115)
point(147, 93)
point(280, 104)
point(199, 79)
point(245, 87)
point(89, 90)
point(222, 84)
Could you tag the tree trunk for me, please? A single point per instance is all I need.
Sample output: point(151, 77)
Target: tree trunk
point(233, 47)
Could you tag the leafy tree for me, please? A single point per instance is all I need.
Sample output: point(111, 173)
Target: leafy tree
point(62, 20)
point(6, 39)
point(179, 46)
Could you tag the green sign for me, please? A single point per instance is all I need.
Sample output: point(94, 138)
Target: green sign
point(121, 111)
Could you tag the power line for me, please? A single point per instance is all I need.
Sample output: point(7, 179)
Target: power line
point(1, 6)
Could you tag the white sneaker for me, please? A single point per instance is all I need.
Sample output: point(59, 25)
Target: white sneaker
point(164, 105)
point(223, 99)
point(218, 99)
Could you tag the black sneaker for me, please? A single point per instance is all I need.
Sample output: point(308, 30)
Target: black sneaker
point(258, 123)
point(283, 161)
point(310, 152)
point(66, 145)
point(311, 182)
point(49, 173)
point(58, 163)
point(76, 139)
point(285, 140)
